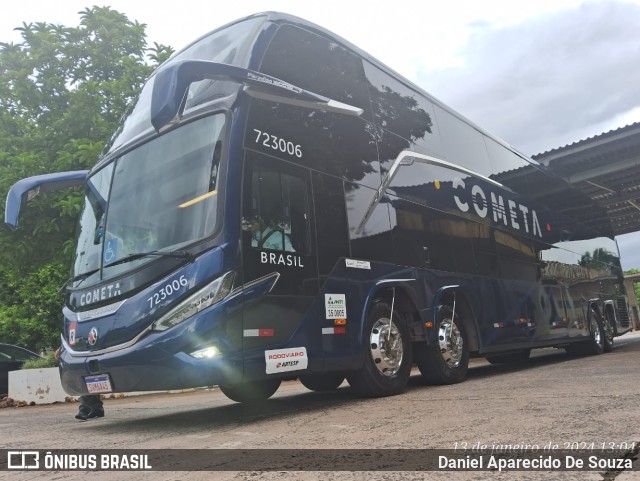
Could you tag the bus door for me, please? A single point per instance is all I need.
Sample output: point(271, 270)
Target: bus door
point(279, 253)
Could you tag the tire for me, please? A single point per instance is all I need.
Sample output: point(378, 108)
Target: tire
point(511, 358)
point(322, 382)
point(387, 361)
point(447, 360)
point(609, 330)
point(250, 392)
point(596, 343)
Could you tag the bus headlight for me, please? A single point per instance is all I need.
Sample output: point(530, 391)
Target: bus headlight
point(209, 295)
point(206, 353)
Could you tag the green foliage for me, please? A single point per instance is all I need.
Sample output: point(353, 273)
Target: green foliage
point(30, 307)
point(63, 91)
point(600, 259)
point(47, 361)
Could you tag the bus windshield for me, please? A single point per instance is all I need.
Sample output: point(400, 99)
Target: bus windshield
point(159, 196)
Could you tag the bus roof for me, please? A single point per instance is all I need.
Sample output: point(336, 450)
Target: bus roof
point(280, 18)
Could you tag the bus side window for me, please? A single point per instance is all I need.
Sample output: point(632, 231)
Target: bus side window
point(279, 217)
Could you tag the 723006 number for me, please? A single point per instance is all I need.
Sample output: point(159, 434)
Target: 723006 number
point(168, 290)
point(277, 143)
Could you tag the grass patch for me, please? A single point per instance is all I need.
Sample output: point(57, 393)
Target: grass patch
point(49, 360)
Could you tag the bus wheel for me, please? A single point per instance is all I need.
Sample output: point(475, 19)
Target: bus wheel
point(596, 344)
point(609, 330)
point(510, 358)
point(254, 391)
point(387, 361)
point(447, 361)
point(322, 382)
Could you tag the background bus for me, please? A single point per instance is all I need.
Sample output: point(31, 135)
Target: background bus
point(278, 205)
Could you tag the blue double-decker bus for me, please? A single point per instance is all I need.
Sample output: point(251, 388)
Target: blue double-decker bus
point(278, 204)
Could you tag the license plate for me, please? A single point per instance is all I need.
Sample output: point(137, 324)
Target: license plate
point(98, 384)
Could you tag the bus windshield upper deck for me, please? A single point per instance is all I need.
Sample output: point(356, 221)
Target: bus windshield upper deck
point(229, 45)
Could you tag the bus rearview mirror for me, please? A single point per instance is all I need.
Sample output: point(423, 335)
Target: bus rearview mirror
point(29, 188)
point(172, 82)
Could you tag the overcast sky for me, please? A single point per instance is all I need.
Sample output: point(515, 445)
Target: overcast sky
point(538, 74)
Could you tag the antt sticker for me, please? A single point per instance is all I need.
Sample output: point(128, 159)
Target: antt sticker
point(335, 306)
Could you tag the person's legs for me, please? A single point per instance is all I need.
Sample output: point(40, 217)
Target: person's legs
point(90, 407)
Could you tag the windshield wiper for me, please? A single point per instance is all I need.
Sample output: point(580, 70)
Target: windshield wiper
point(79, 277)
point(131, 257)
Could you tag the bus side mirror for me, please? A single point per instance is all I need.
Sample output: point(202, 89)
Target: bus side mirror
point(27, 189)
point(172, 82)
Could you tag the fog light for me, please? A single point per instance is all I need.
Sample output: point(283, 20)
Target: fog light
point(206, 353)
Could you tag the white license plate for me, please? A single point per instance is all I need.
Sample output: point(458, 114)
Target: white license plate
point(98, 384)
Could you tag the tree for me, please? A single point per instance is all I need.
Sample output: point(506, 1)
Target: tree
point(600, 259)
point(63, 91)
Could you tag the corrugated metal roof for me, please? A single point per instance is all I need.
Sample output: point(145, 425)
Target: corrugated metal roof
point(605, 170)
point(610, 135)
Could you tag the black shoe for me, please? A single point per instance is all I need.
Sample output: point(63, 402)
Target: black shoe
point(85, 412)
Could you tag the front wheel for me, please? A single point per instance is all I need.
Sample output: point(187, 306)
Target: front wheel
point(253, 391)
point(387, 360)
point(447, 360)
point(322, 382)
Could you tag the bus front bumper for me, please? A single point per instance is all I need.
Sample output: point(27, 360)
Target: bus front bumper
point(150, 365)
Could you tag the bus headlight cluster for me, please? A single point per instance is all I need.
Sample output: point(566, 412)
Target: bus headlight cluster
point(209, 295)
point(206, 353)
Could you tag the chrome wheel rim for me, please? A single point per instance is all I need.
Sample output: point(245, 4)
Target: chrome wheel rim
point(386, 347)
point(608, 329)
point(595, 331)
point(451, 343)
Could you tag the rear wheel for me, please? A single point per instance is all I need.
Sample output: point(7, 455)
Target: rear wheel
point(387, 362)
point(510, 358)
point(252, 391)
point(596, 342)
point(447, 360)
point(595, 345)
point(609, 329)
point(322, 382)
